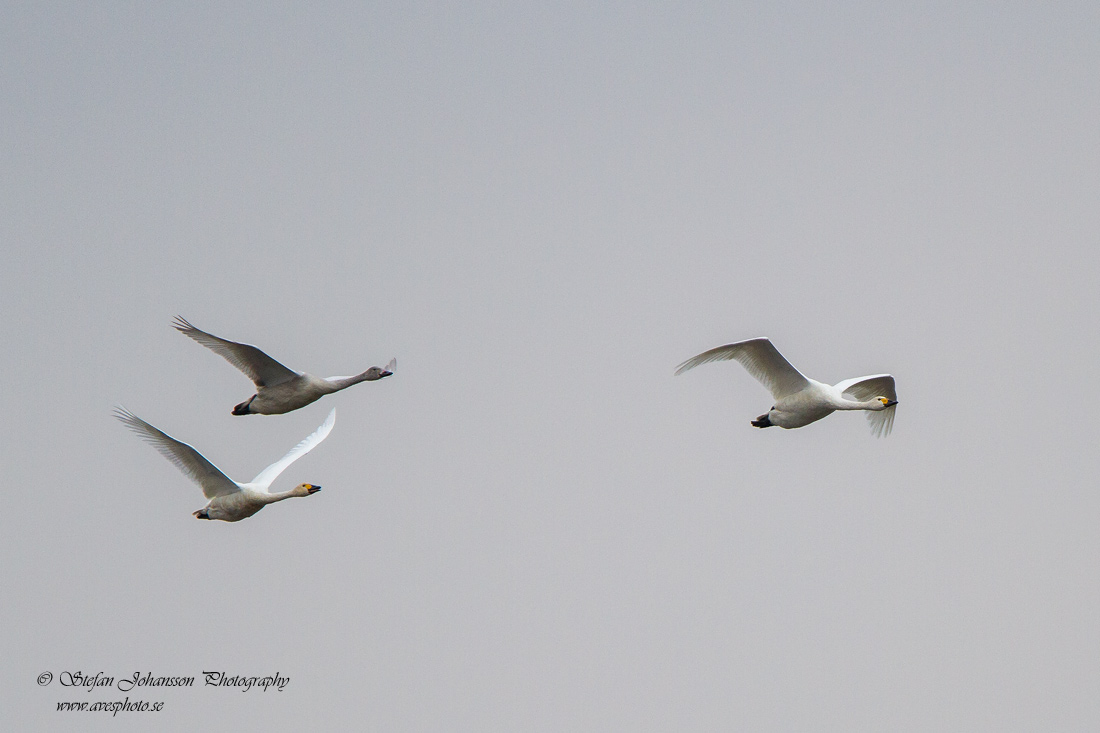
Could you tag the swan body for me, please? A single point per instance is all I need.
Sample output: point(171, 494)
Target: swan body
point(278, 389)
point(800, 400)
point(230, 501)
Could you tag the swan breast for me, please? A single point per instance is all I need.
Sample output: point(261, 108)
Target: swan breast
point(803, 407)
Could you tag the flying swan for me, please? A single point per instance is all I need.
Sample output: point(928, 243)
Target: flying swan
point(278, 389)
point(229, 501)
point(799, 400)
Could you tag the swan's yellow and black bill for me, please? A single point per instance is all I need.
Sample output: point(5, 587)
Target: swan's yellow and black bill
point(313, 489)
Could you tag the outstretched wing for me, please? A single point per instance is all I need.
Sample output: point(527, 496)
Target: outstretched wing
point(862, 389)
point(264, 479)
point(187, 459)
point(761, 360)
point(260, 368)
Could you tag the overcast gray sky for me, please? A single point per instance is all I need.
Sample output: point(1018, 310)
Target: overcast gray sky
point(540, 211)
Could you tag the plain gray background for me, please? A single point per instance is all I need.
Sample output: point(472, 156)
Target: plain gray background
point(540, 211)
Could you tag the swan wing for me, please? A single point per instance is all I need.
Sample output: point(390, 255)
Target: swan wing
point(260, 368)
point(761, 359)
point(862, 389)
point(187, 459)
point(264, 479)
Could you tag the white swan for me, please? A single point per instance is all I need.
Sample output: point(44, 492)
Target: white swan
point(229, 501)
point(278, 389)
point(799, 400)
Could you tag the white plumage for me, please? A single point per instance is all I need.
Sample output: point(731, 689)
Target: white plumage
point(278, 388)
point(800, 400)
point(230, 501)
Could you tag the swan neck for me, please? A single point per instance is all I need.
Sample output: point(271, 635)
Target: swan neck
point(852, 405)
point(335, 385)
point(277, 496)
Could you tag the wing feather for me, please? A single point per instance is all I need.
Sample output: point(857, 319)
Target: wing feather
point(761, 359)
point(882, 422)
point(862, 389)
point(264, 479)
point(184, 457)
point(260, 368)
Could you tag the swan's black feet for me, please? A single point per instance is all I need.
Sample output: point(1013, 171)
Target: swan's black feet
point(202, 514)
point(762, 421)
point(242, 409)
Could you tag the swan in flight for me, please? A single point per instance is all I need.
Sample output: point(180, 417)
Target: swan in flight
point(229, 501)
point(278, 389)
point(799, 400)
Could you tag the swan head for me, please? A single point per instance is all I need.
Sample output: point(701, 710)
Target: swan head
point(306, 489)
point(376, 373)
point(886, 402)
